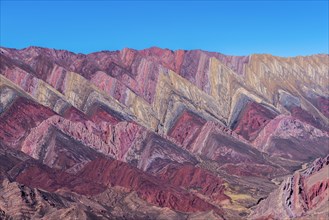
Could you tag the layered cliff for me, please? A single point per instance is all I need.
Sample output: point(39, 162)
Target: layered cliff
point(192, 134)
point(303, 195)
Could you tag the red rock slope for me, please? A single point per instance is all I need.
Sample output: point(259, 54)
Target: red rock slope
point(159, 134)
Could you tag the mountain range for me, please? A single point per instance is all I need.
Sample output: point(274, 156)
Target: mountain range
point(162, 134)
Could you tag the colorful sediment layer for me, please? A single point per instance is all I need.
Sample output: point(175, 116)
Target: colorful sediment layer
point(161, 134)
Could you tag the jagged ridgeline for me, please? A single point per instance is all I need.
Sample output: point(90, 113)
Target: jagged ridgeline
point(161, 134)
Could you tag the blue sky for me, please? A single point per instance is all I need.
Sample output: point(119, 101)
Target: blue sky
point(284, 28)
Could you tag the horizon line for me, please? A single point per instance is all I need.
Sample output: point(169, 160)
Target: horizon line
point(162, 48)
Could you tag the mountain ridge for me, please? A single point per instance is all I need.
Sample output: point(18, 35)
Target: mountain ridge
point(158, 48)
point(197, 133)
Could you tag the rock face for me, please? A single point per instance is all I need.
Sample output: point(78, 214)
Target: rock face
point(304, 194)
point(161, 134)
point(253, 119)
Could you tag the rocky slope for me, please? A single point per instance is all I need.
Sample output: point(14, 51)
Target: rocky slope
point(161, 134)
point(303, 195)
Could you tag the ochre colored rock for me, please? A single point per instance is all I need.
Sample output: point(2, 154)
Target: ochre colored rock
point(162, 134)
